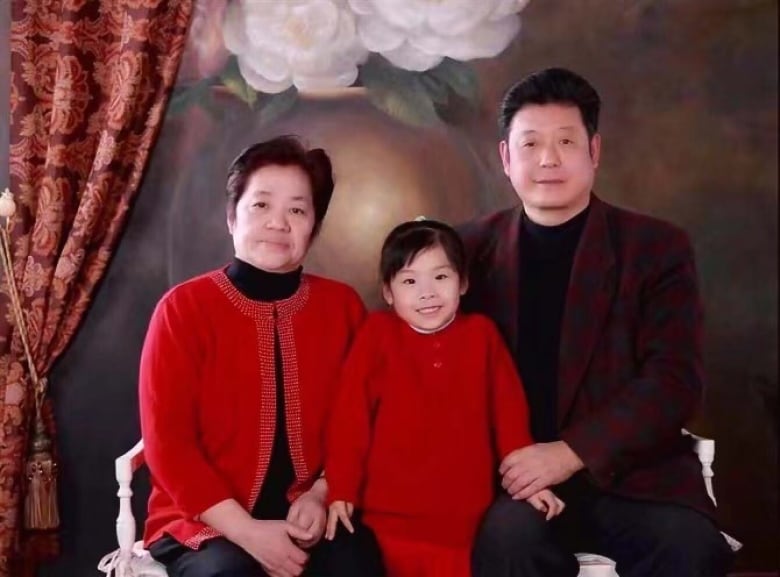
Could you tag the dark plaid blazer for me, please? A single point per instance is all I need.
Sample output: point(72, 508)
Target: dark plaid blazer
point(630, 372)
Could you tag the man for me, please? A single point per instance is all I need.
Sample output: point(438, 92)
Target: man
point(601, 311)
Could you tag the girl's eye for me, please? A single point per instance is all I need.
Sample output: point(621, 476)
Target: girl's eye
point(260, 204)
point(567, 141)
point(442, 276)
point(407, 281)
point(298, 211)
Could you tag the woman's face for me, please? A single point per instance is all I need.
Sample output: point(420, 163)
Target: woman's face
point(274, 218)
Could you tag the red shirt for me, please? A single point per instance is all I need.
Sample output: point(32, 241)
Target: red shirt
point(208, 393)
point(420, 425)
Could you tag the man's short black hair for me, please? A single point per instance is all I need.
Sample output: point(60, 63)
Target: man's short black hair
point(551, 86)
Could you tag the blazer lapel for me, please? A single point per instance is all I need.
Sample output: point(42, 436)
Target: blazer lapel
point(505, 277)
point(592, 285)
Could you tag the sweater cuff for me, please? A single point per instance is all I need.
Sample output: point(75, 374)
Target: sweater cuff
point(341, 492)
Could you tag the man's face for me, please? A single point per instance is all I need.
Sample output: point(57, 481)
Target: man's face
point(550, 161)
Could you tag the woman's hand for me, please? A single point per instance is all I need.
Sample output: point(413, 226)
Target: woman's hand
point(546, 502)
point(271, 544)
point(308, 513)
point(339, 511)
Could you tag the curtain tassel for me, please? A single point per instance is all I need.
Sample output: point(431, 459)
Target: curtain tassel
point(41, 511)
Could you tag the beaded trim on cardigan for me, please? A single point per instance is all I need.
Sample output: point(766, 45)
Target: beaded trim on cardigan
point(264, 313)
point(259, 310)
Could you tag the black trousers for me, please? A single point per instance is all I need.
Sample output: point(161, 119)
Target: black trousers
point(645, 539)
point(348, 555)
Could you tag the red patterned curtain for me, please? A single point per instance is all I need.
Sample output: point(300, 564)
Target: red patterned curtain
point(89, 83)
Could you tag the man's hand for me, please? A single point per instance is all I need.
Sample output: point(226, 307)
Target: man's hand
point(271, 544)
point(528, 470)
point(308, 513)
point(339, 511)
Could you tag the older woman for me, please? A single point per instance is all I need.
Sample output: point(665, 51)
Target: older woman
point(237, 373)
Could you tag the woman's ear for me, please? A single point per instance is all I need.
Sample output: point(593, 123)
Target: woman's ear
point(464, 286)
point(231, 220)
point(387, 294)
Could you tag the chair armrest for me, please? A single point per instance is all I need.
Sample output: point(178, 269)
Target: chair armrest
point(125, 466)
point(130, 462)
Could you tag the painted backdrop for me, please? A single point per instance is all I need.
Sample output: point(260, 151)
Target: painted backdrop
point(690, 135)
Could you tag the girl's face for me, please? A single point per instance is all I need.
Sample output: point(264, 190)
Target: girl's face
point(426, 292)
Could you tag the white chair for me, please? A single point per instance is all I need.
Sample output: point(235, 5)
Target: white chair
point(599, 566)
point(132, 560)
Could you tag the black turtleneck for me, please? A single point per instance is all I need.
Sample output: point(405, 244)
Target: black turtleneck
point(260, 285)
point(546, 257)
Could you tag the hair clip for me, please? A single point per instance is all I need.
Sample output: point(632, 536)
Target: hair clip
point(420, 218)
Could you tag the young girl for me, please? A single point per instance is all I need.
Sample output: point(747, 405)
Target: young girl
point(429, 404)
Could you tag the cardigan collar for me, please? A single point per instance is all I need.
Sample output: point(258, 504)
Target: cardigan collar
point(263, 310)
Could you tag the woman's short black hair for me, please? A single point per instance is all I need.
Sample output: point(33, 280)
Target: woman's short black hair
point(409, 239)
point(285, 150)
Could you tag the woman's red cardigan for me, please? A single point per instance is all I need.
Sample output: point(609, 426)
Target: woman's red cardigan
point(208, 393)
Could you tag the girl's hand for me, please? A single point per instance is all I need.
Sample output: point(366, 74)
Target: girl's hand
point(546, 502)
point(339, 511)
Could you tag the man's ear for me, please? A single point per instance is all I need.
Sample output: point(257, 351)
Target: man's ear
point(595, 149)
point(503, 151)
point(387, 295)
